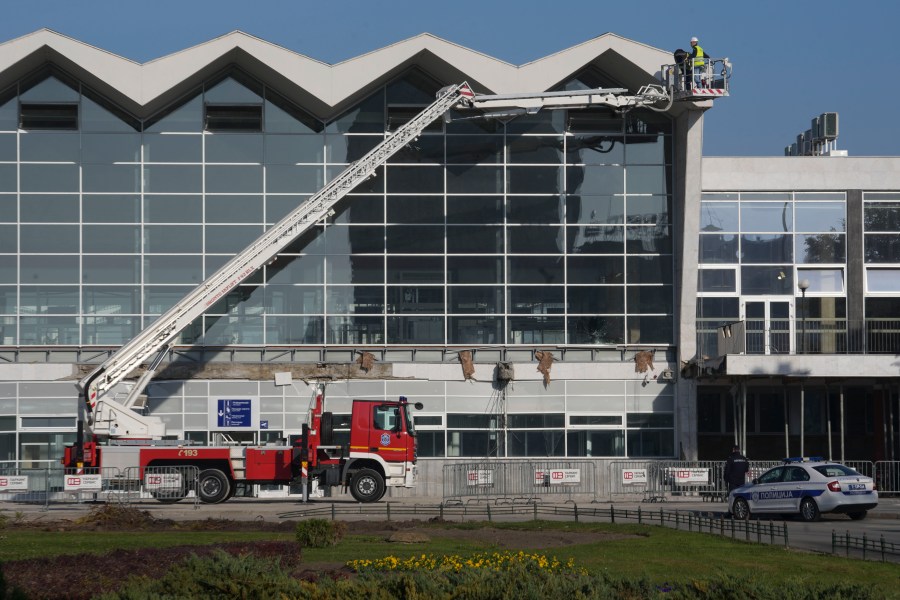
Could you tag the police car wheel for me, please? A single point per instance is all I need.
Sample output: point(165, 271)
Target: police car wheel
point(741, 510)
point(809, 511)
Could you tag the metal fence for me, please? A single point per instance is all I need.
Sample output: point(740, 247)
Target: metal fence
point(68, 486)
point(863, 546)
point(518, 481)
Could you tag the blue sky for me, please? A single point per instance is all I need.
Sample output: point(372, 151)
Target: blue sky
point(793, 59)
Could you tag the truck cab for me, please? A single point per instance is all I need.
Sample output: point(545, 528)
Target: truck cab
point(381, 453)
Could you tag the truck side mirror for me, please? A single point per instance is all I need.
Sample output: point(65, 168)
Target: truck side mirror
point(419, 405)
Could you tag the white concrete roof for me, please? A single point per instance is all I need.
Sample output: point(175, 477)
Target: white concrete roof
point(324, 87)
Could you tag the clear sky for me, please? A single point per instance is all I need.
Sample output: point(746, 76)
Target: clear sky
point(793, 59)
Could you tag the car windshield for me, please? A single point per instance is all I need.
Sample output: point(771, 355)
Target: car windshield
point(410, 424)
point(836, 470)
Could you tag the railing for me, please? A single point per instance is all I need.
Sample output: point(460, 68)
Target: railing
point(863, 546)
point(685, 79)
point(798, 336)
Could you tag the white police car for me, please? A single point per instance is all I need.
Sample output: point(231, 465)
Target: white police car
point(808, 487)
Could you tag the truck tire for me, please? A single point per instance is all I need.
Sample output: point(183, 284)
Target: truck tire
point(367, 485)
point(213, 487)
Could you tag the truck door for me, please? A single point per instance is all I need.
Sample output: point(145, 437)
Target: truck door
point(387, 436)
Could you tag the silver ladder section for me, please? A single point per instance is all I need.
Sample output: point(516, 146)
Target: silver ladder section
point(162, 331)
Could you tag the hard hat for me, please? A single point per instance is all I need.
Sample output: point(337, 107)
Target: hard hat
point(693, 39)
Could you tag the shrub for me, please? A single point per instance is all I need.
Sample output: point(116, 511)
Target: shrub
point(319, 533)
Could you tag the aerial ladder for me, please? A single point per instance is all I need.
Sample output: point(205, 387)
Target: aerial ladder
point(110, 418)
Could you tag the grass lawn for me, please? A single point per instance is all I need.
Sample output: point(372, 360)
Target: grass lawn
point(650, 552)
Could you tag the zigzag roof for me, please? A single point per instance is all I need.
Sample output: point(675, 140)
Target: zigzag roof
point(321, 88)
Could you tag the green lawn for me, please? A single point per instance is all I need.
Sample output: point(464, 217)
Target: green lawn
point(654, 553)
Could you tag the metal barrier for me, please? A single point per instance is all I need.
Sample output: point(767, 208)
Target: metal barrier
point(887, 477)
point(518, 481)
point(631, 478)
point(71, 486)
point(160, 484)
point(693, 478)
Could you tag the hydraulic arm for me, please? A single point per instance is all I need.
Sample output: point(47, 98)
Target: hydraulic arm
point(110, 418)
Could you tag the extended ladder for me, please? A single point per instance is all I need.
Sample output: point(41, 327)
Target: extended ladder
point(116, 419)
point(160, 334)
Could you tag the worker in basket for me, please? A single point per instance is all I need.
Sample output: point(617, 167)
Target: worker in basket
point(697, 61)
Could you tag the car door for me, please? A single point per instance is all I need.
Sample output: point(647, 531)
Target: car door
point(796, 482)
point(768, 495)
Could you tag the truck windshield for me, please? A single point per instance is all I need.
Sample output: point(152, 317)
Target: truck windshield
point(410, 427)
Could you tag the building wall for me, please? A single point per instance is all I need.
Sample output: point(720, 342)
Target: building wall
point(552, 232)
point(816, 366)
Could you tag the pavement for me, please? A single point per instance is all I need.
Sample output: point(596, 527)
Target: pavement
point(422, 508)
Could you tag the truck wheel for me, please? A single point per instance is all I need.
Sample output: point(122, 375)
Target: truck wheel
point(212, 486)
point(367, 485)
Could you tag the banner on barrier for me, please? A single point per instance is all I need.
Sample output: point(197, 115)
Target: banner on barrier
point(687, 476)
point(634, 476)
point(557, 476)
point(14, 483)
point(83, 483)
point(483, 477)
point(162, 481)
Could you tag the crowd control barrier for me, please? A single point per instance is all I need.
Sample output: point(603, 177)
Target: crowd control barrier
point(71, 486)
point(518, 481)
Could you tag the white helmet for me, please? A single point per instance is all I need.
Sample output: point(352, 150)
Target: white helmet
point(693, 39)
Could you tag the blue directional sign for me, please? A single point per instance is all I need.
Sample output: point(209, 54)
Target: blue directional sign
point(264, 424)
point(234, 413)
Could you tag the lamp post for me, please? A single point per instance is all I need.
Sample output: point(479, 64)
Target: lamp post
point(803, 285)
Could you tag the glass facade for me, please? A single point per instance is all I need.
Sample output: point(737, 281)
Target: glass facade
point(550, 229)
point(754, 249)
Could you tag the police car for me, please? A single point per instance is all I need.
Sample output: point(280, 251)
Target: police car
point(807, 487)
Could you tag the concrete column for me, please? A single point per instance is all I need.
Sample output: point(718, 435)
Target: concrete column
point(855, 268)
point(688, 155)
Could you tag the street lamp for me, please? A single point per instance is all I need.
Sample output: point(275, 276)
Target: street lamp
point(803, 285)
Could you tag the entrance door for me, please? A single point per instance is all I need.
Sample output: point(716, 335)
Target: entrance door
point(769, 324)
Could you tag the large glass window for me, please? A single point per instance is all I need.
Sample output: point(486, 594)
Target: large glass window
point(536, 230)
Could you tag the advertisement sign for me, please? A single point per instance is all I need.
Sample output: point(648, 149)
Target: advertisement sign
point(480, 477)
point(634, 476)
point(83, 483)
point(14, 483)
point(557, 476)
point(679, 476)
point(160, 481)
point(230, 413)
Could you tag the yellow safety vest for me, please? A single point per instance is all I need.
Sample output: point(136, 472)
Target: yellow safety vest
point(698, 60)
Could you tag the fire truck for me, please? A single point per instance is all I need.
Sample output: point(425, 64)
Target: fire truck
point(382, 450)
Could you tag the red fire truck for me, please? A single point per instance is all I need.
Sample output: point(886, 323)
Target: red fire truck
point(381, 453)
